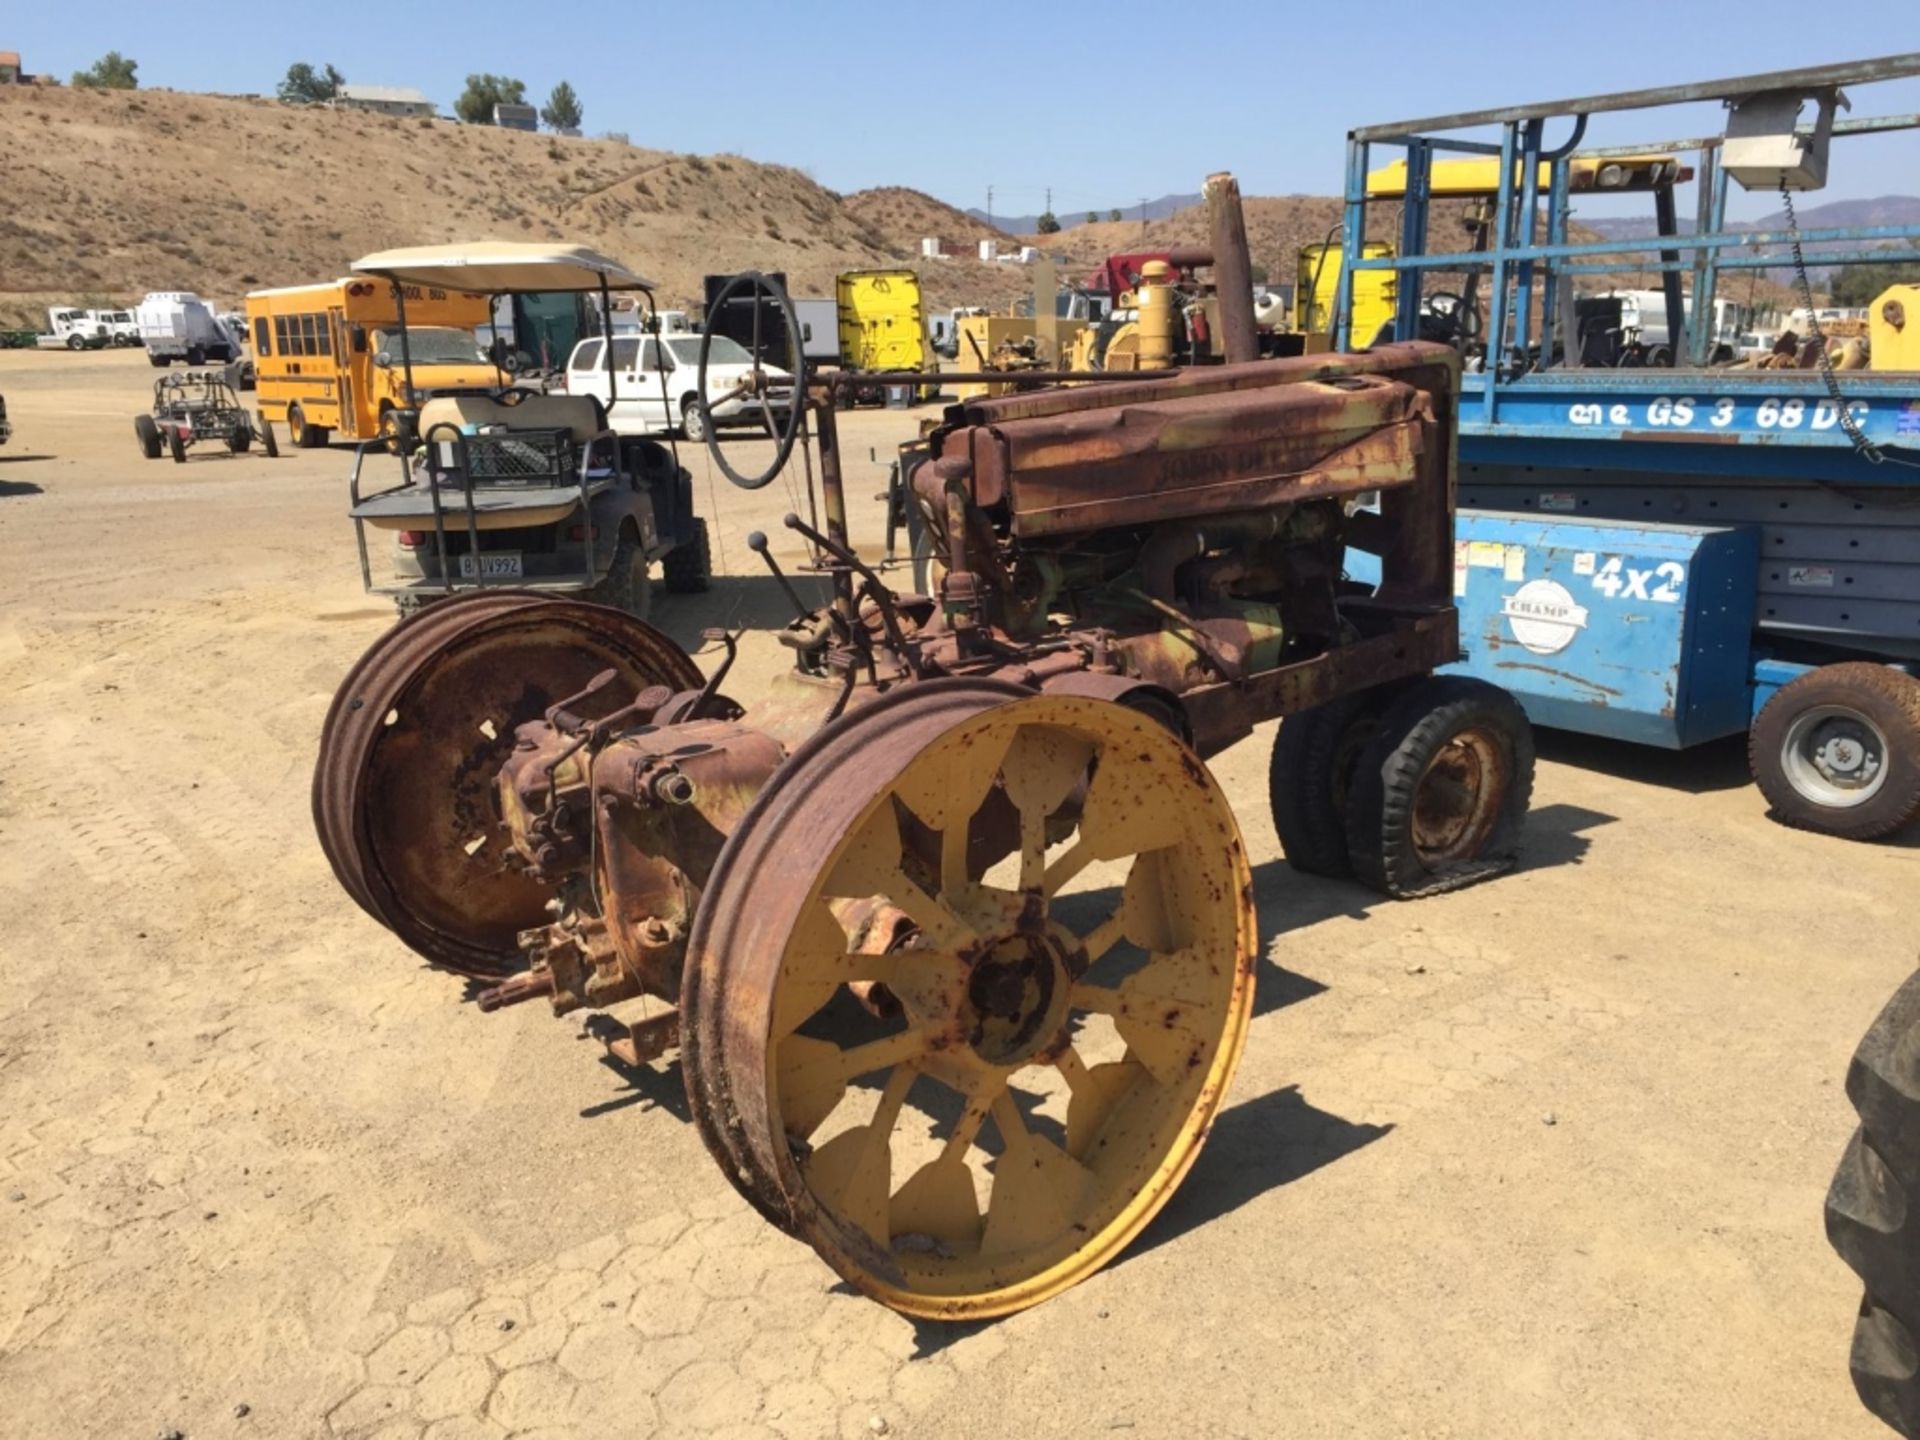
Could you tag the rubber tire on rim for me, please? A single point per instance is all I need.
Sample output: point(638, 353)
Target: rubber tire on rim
point(303, 435)
point(159, 362)
point(1873, 1211)
point(692, 427)
point(271, 445)
point(196, 356)
point(627, 585)
point(1309, 777)
point(688, 566)
point(239, 441)
point(1387, 779)
point(1890, 699)
point(148, 434)
point(176, 447)
point(76, 342)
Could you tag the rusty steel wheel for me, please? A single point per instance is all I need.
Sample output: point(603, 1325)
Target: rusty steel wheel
point(403, 787)
point(1045, 1042)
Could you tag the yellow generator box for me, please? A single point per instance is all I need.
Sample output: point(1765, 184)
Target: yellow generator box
point(980, 338)
point(882, 326)
point(1375, 292)
point(1893, 322)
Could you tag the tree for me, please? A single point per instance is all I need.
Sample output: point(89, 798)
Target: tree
point(483, 92)
point(1855, 285)
point(1113, 214)
point(306, 86)
point(562, 110)
point(1092, 218)
point(112, 71)
point(1046, 224)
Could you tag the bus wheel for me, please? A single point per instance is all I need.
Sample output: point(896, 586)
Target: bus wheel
point(303, 435)
point(1838, 751)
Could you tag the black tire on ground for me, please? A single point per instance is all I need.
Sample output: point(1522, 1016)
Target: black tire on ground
point(1873, 1211)
point(1310, 774)
point(1838, 751)
point(688, 566)
point(159, 362)
point(1439, 795)
point(176, 446)
point(303, 435)
point(626, 585)
point(266, 437)
point(148, 434)
point(239, 441)
point(196, 357)
point(76, 342)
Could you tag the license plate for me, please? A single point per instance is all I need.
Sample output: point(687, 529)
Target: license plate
point(503, 565)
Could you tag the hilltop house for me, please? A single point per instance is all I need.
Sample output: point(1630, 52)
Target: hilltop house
point(384, 99)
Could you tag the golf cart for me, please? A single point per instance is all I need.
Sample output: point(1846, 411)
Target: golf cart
point(194, 406)
point(509, 488)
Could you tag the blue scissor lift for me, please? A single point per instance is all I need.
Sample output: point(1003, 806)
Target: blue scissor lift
point(1673, 554)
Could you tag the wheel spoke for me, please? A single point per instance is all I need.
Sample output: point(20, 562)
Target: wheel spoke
point(1101, 1092)
point(1043, 766)
point(871, 865)
point(814, 1074)
point(853, 1172)
point(1160, 1011)
point(1038, 1188)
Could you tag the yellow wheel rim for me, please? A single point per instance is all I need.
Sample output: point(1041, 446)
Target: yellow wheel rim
point(1061, 982)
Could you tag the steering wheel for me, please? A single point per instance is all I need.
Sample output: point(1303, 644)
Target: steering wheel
point(1457, 319)
point(755, 384)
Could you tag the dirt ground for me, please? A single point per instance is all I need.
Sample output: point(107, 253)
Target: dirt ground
point(1542, 1158)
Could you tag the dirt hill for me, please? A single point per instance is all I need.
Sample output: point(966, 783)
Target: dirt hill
point(904, 217)
point(109, 195)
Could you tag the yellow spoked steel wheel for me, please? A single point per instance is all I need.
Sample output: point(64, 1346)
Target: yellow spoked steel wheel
point(966, 990)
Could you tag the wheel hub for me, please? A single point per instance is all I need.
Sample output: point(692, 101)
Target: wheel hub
point(1016, 996)
point(1834, 756)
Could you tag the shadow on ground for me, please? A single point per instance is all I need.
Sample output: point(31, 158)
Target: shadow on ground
point(1703, 769)
point(737, 602)
point(10, 488)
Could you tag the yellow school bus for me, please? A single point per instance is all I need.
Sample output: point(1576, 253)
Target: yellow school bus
point(327, 358)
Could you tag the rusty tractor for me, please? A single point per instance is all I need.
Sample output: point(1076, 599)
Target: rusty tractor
point(955, 932)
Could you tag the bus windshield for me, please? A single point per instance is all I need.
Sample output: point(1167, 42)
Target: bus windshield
point(432, 345)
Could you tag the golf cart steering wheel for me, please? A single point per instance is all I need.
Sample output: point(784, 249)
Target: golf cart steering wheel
point(783, 435)
point(1457, 318)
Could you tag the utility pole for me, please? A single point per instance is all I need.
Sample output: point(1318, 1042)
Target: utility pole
point(989, 207)
point(1049, 199)
point(1143, 214)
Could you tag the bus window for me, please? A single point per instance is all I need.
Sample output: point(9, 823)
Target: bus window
point(324, 333)
point(280, 335)
point(260, 346)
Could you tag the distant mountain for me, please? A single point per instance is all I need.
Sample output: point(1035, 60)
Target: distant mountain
point(1833, 215)
point(1159, 209)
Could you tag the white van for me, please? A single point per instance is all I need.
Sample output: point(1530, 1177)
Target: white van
point(657, 381)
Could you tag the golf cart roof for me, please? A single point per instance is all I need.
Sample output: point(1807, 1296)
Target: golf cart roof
point(501, 267)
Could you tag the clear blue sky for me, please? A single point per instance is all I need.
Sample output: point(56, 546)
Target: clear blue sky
point(1105, 102)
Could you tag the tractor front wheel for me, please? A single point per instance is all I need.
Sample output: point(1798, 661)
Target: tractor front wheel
point(1026, 919)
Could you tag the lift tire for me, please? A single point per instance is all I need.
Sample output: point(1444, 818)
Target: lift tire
point(148, 434)
point(1872, 1218)
point(1439, 795)
point(1857, 703)
point(626, 585)
point(1309, 777)
point(689, 566)
point(176, 447)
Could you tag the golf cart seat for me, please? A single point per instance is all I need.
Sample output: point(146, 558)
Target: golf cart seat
point(578, 414)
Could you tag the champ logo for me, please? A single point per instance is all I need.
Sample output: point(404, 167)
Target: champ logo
point(1543, 616)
